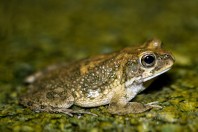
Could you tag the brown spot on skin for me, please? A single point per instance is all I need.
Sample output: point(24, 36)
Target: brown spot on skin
point(50, 95)
point(29, 103)
point(42, 106)
point(83, 69)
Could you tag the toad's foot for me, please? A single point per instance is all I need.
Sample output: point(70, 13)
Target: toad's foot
point(69, 112)
point(132, 107)
point(155, 104)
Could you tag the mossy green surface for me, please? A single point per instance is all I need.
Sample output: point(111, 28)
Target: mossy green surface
point(35, 34)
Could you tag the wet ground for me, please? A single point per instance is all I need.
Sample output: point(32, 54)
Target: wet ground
point(35, 34)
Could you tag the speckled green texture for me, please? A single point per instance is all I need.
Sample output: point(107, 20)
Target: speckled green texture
point(35, 34)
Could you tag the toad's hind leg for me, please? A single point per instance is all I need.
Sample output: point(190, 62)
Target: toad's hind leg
point(54, 101)
point(62, 102)
point(58, 101)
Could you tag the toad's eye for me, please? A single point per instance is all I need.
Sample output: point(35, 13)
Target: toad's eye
point(148, 60)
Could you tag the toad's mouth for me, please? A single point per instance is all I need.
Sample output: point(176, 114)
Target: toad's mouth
point(157, 74)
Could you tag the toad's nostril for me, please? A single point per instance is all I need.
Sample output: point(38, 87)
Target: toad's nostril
point(168, 56)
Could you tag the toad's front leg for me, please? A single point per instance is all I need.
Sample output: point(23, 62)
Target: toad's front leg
point(121, 106)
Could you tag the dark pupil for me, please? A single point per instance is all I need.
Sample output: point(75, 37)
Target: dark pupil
point(149, 59)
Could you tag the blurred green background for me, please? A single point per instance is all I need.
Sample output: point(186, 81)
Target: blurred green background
point(35, 34)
